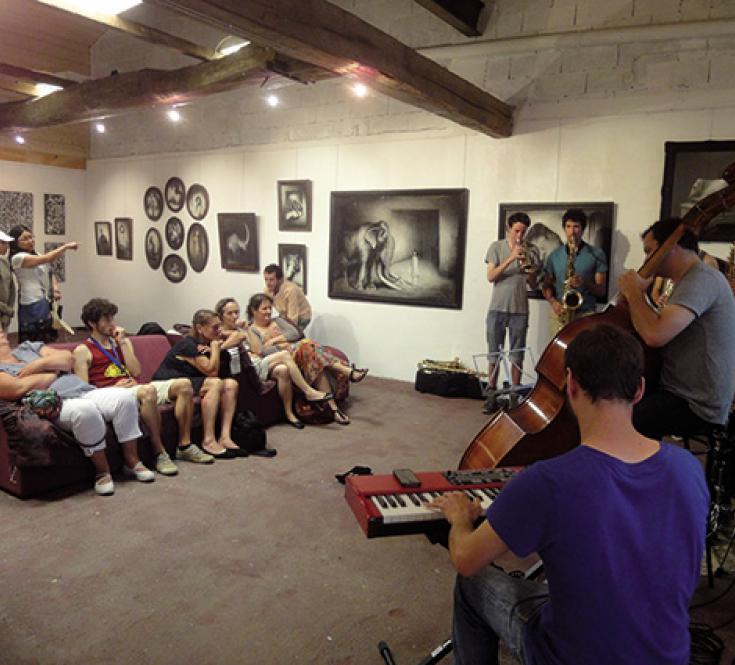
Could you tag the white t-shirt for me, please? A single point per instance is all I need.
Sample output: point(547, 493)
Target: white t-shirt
point(32, 282)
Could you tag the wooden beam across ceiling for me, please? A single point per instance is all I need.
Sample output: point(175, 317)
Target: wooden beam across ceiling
point(149, 87)
point(463, 15)
point(321, 33)
point(24, 74)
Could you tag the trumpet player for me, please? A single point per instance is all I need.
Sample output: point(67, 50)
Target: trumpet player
point(508, 270)
point(575, 274)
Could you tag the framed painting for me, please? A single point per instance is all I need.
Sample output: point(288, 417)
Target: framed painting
point(124, 238)
point(153, 248)
point(197, 247)
point(546, 233)
point(103, 238)
point(58, 265)
point(398, 246)
point(294, 205)
point(692, 171)
point(292, 259)
point(238, 241)
point(54, 214)
point(153, 203)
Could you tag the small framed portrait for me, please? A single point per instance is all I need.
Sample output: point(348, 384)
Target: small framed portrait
point(153, 203)
point(54, 214)
point(153, 248)
point(174, 268)
point(174, 233)
point(58, 265)
point(124, 238)
point(175, 194)
point(197, 247)
point(103, 238)
point(294, 205)
point(292, 259)
point(197, 202)
point(238, 241)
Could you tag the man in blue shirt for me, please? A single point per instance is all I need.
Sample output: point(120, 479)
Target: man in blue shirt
point(619, 523)
point(590, 271)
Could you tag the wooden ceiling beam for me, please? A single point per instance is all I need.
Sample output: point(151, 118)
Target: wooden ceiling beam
point(149, 87)
point(24, 74)
point(321, 33)
point(19, 87)
point(463, 15)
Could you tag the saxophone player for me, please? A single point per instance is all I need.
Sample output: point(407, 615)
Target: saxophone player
point(575, 274)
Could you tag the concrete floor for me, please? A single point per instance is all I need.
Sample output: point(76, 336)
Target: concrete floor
point(248, 561)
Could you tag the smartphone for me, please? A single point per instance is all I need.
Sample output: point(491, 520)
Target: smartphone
point(406, 478)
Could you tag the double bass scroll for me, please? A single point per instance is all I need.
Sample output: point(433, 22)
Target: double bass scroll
point(543, 426)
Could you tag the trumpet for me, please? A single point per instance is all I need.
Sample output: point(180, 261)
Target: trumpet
point(524, 263)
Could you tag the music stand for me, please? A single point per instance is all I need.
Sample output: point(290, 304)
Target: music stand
point(434, 657)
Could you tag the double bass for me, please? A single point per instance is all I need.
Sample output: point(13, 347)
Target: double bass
point(543, 425)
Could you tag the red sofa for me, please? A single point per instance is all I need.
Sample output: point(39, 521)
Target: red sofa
point(69, 466)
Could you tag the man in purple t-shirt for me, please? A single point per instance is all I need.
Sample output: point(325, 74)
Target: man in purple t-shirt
point(619, 523)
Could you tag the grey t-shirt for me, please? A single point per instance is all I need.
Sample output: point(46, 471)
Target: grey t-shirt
point(66, 385)
point(509, 289)
point(699, 363)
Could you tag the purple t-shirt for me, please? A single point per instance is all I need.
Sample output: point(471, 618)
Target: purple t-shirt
point(622, 546)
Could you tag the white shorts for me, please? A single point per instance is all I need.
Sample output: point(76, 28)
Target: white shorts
point(163, 389)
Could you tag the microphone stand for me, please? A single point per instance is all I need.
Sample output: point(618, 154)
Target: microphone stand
point(434, 657)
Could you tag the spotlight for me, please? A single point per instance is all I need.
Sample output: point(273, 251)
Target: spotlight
point(19, 139)
point(272, 100)
point(173, 115)
point(360, 89)
point(43, 89)
point(100, 127)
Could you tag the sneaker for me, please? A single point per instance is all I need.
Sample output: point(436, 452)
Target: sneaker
point(193, 453)
point(104, 485)
point(140, 472)
point(164, 465)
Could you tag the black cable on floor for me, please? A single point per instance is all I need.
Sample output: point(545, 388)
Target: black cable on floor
point(707, 648)
point(720, 596)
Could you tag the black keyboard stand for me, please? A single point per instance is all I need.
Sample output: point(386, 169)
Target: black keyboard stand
point(434, 657)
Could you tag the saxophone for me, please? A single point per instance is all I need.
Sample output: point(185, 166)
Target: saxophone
point(731, 264)
point(571, 298)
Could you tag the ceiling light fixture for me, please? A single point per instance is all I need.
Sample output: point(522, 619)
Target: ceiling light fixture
point(106, 7)
point(360, 89)
point(100, 127)
point(43, 89)
point(272, 100)
point(229, 49)
point(173, 115)
point(19, 139)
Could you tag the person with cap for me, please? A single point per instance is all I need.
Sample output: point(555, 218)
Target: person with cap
point(7, 283)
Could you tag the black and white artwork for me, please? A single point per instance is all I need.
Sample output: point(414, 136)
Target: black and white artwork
point(153, 248)
point(292, 259)
point(153, 203)
point(58, 265)
point(174, 233)
point(103, 238)
point(16, 208)
point(175, 194)
point(238, 241)
point(197, 247)
point(692, 171)
point(124, 238)
point(54, 214)
point(294, 205)
point(404, 246)
point(174, 268)
point(197, 202)
point(546, 232)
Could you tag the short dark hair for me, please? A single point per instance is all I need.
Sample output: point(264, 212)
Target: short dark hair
point(521, 217)
point(662, 229)
point(274, 269)
point(607, 362)
point(95, 309)
point(221, 304)
point(201, 317)
point(255, 302)
point(575, 215)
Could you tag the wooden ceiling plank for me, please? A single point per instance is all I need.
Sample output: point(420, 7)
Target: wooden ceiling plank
point(462, 15)
point(25, 74)
point(22, 50)
point(148, 87)
point(58, 33)
point(20, 87)
point(323, 34)
point(46, 17)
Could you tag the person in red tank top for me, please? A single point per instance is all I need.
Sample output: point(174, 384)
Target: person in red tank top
point(107, 358)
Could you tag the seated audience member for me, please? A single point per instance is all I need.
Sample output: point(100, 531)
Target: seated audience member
point(197, 358)
point(279, 366)
point(84, 408)
point(266, 337)
point(618, 507)
point(287, 297)
point(107, 358)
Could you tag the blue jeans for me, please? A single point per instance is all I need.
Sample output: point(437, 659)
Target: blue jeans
point(489, 607)
point(517, 325)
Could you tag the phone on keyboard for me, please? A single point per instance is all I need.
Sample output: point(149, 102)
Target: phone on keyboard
point(406, 478)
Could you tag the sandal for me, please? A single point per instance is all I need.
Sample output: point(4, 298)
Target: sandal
point(320, 400)
point(357, 375)
point(340, 417)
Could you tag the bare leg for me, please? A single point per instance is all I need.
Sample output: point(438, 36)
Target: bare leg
point(281, 374)
point(182, 395)
point(227, 413)
point(211, 392)
point(99, 460)
point(130, 452)
point(299, 381)
point(492, 377)
point(515, 374)
point(339, 416)
point(150, 415)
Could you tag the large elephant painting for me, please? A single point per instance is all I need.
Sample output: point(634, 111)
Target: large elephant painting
point(403, 247)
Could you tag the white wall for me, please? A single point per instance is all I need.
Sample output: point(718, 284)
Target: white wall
point(40, 180)
point(617, 159)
